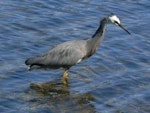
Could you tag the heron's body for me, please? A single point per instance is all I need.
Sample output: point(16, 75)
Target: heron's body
point(65, 57)
point(70, 53)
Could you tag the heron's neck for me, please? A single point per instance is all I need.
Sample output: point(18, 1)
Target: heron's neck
point(99, 35)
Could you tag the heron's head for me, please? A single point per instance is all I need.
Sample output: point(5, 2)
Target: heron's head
point(114, 19)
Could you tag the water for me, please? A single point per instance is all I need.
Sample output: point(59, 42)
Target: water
point(116, 79)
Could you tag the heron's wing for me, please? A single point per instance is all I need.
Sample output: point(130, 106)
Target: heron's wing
point(68, 53)
point(65, 54)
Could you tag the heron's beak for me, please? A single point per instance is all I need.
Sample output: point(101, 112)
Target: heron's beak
point(124, 28)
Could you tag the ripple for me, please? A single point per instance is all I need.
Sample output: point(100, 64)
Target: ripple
point(115, 79)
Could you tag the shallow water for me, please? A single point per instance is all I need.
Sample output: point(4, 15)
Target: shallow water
point(116, 79)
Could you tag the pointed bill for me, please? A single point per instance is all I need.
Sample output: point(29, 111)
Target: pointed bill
point(124, 28)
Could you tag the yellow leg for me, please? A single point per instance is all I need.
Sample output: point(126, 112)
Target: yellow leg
point(65, 78)
point(65, 75)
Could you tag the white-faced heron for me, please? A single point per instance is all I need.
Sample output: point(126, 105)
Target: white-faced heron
point(69, 53)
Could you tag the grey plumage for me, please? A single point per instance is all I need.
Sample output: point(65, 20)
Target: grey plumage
point(69, 53)
point(63, 55)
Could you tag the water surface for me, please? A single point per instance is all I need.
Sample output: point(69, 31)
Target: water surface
point(116, 79)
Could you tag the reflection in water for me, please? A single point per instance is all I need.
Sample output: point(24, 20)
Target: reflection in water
point(56, 97)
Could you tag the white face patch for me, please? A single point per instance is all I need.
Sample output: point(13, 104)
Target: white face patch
point(114, 19)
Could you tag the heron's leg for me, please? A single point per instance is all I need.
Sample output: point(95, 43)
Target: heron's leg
point(65, 77)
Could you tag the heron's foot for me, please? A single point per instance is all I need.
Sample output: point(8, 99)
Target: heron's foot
point(65, 78)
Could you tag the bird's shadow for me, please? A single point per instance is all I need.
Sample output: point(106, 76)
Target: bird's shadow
point(50, 88)
point(54, 95)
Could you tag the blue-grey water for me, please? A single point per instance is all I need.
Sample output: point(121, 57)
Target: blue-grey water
point(116, 79)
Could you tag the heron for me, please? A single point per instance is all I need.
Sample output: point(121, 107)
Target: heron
point(68, 54)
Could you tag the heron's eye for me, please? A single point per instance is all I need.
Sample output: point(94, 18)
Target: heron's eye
point(116, 22)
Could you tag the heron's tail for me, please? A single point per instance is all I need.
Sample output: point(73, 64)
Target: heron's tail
point(34, 61)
